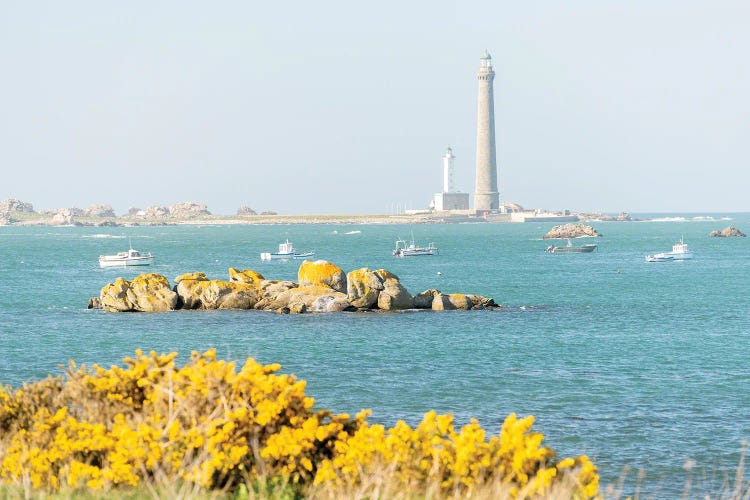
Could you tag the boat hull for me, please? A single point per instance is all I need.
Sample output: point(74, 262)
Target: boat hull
point(286, 256)
point(669, 257)
point(680, 256)
point(659, 258)
point(414, 253)
point(582, 249)
point(127, 262)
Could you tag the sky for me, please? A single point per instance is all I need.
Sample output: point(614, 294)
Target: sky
point(347, 107)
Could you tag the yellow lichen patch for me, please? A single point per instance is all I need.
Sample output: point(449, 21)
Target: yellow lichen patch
point(218, 294)
point(147, 292)
point(149, 280)
point(151, 292)
point(190, 292)
point(386, 275)
point(363, 274)
point(114, 296)
point(363, 287)
point(460, 301)
point(197, 276)
point(321, 273)
point(246, 276)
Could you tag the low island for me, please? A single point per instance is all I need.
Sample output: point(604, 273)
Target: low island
point(321, 287)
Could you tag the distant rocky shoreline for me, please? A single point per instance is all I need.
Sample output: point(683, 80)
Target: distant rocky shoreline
point(18, 213)
point(14, 212)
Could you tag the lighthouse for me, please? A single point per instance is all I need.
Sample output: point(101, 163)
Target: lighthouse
point(486, 195)
point(449, 199)
point(448, 171)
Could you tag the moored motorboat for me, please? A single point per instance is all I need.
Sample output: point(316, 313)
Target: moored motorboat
point(680, 251)
point(410, 249)
point(286, 251)
point(569, 248)
point(130, 258)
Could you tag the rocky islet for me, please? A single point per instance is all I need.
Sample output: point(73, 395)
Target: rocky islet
point(571, 230)
point(727, 232)
point(321, 287)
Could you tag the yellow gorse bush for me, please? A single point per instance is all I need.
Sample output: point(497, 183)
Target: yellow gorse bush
point(209, 424)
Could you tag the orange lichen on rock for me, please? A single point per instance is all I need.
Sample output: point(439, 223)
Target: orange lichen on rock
point(246, 276)
point(147, 292)
point(322, 273)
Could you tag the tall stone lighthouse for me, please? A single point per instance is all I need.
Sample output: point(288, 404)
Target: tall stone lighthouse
point(486, 196)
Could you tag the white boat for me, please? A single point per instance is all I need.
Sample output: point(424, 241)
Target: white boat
point(130, 258)
point(286, 251)
point(680, 251)
point(569, 248)
point(404, 249)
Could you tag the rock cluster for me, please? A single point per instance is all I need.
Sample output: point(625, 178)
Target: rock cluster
point(244, 210)
point(727, 232)
point(321, 287)
point(66, 212)
point(571, 230)
point(99, 211)
point(188, 209)
point(147, 292)
point(182, 210)
point(65, 217)
point(13, 205)
point(622, 216)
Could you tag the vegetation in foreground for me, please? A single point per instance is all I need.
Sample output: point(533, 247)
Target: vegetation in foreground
point(208, 429)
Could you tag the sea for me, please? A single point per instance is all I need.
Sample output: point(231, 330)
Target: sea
point(644, 367)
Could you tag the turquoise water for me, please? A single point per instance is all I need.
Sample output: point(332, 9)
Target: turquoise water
point(638, 365)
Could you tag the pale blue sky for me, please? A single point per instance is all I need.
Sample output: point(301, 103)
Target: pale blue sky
point(347, 107)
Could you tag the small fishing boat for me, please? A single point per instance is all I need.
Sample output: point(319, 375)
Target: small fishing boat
point(680, 251)
point(569, 248)
point(286, 251)
point(123, 259)
point(410, 249)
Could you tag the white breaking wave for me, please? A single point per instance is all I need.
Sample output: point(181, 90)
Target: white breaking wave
point(696, 218)
point(668, 219)
point(102, 236)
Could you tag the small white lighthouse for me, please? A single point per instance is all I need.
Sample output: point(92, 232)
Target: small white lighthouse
point(449, 199)
point(448, 171)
